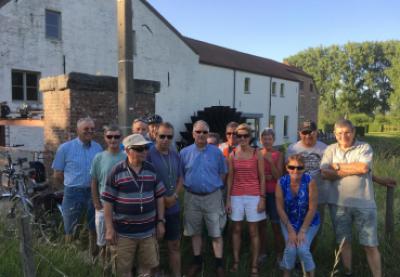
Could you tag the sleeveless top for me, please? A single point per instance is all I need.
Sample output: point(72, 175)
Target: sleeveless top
point(270, 184)
point(245, 176)
point(296, 206)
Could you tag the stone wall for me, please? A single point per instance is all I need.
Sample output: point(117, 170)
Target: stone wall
point(66, 98)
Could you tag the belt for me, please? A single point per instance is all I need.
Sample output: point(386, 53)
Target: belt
point(201, 193)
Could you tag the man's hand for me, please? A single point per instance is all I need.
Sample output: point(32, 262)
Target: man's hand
point(111, 236)
point(228, 206)
point(160, 230)
point(169, 201)
point(261, 205)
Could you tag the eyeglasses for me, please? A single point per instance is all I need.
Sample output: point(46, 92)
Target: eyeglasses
point(293, 167)
point(307, 132)
point(230, 134)
point(169, 137)
point(242, 136)
point(113, 136)
point(201, 132)
point(139, 149)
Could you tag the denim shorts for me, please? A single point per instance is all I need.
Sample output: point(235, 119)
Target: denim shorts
point(76, 201)
point(364, 219)
point(270, 207)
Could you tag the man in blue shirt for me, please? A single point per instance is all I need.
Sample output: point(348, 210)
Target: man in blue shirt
point(204, 169)
point(71, 165)
point(167, 164)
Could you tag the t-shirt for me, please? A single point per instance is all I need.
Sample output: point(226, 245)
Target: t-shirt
point(169, 170)
point(133, 197)
point(355, 191)
point(102, 164)
point(312, 158)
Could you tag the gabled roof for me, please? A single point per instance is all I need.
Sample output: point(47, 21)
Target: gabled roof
point(223, 57)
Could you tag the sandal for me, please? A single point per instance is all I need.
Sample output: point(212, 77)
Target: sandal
point(254, 271)
point(234, 268)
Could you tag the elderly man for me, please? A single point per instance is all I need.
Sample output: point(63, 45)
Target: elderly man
point(153, 122)
point(167, 164)
point(348, 165)
point(139, 126)
point(204, 169)
point(101, 167)
point(134, 209)
point(71, 165)
point(230, 144)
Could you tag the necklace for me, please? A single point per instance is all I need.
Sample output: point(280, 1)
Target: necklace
point(139, 187)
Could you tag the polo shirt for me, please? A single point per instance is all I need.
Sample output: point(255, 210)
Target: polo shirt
point(354, 191)
point(202, 168)
point(75, 158)
point(133, 197)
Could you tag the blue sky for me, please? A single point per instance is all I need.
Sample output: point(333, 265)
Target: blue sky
point(277, 29)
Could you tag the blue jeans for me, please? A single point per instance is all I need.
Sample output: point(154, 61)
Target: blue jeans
point(303, 251)
point(77, 200)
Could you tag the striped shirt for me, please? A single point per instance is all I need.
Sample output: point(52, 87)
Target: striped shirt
point(75, 159)
point(134, 199)
point(245, 176)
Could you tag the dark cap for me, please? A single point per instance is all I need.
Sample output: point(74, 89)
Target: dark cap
point(308, 125)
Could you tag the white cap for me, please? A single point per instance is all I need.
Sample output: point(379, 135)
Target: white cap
point(134, 140)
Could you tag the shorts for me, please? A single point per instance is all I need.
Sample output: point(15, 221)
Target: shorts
point(100, 227)
point(209, 208)
point(145, 250)
point(365, 220)
point(270, 207)
point(246, 206)
point(172, 226)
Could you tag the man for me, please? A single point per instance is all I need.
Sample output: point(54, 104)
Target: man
point(167, 164)
point(348, 165)
point(153, 122)
point(71, 165)
point(312, 151)
point(213, 138)
point(134, 209)
point(139, 126)
point(204, 169)
point(230, 144)
point(101, 166)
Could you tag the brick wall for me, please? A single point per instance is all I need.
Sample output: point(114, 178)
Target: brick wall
point(66, 98)
point(308, 100)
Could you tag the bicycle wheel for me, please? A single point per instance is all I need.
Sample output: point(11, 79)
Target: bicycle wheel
point(49, 220)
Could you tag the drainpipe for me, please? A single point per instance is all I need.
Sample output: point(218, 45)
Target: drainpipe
point(270, 100)
point(234, 88)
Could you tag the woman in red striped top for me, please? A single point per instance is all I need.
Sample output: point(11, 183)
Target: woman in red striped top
point(245, 194)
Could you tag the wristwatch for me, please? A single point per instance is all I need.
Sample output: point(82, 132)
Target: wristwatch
point(161, 220)
point(336, 167)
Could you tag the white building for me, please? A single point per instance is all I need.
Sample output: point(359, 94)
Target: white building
point(40, 38)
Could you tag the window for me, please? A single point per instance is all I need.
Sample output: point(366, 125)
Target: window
point(285, 125)
point(273, 89)
point(282, 91)
point(25, 86)
point(301, 85)
point(53, 24)
point(311, 87)
point(247, 85)
point(271, 123)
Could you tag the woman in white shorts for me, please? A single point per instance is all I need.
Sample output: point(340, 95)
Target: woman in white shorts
point(245, 195)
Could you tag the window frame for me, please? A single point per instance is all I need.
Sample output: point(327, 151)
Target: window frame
point(25, 86)
point(59, 33)
point(282, 90)
point(246, 84)
point(272, 122)
point(273, 89)
point(285, 126)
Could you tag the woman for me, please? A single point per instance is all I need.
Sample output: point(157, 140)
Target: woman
point(273, 163)
point(245, 195)
point(296, 202)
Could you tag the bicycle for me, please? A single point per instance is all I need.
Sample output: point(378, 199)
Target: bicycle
point(32, 198)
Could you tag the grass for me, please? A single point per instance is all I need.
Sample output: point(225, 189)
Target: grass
point(71, 260)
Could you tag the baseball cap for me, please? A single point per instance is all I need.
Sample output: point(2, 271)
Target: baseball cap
point(134, 140)
point(308, 125)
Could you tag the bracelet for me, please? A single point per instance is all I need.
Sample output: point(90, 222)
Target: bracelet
point(161, 220)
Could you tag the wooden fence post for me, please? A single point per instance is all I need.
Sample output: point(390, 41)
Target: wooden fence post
point(25, 246)
point(389, 220)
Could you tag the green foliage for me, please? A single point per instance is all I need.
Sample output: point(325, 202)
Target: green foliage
point(360, 119)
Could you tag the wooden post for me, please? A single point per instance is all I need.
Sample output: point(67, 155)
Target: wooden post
point(25, 246)
point(389, 220)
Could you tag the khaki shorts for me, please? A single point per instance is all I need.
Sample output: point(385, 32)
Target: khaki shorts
point(146, 251)
point(209, 208)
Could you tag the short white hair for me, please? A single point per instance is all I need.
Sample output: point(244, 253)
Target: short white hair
point(84, 120)
point(201, 122)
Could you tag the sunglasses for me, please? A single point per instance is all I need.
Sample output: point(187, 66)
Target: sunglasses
point(242, 136)
point(139, 149)
point(292, 167)
point(201, 132)
point(308, 132)
point(169, 137)
point(230, 134)
point(113, 136)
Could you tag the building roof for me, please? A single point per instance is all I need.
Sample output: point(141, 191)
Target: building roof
point(3, 2)
point(223, 57)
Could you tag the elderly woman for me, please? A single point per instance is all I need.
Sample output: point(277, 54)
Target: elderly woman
point(245, 195)
point(296, 202)
point(273, 163)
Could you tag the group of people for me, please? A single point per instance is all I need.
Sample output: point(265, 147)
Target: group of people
point(131, 194)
